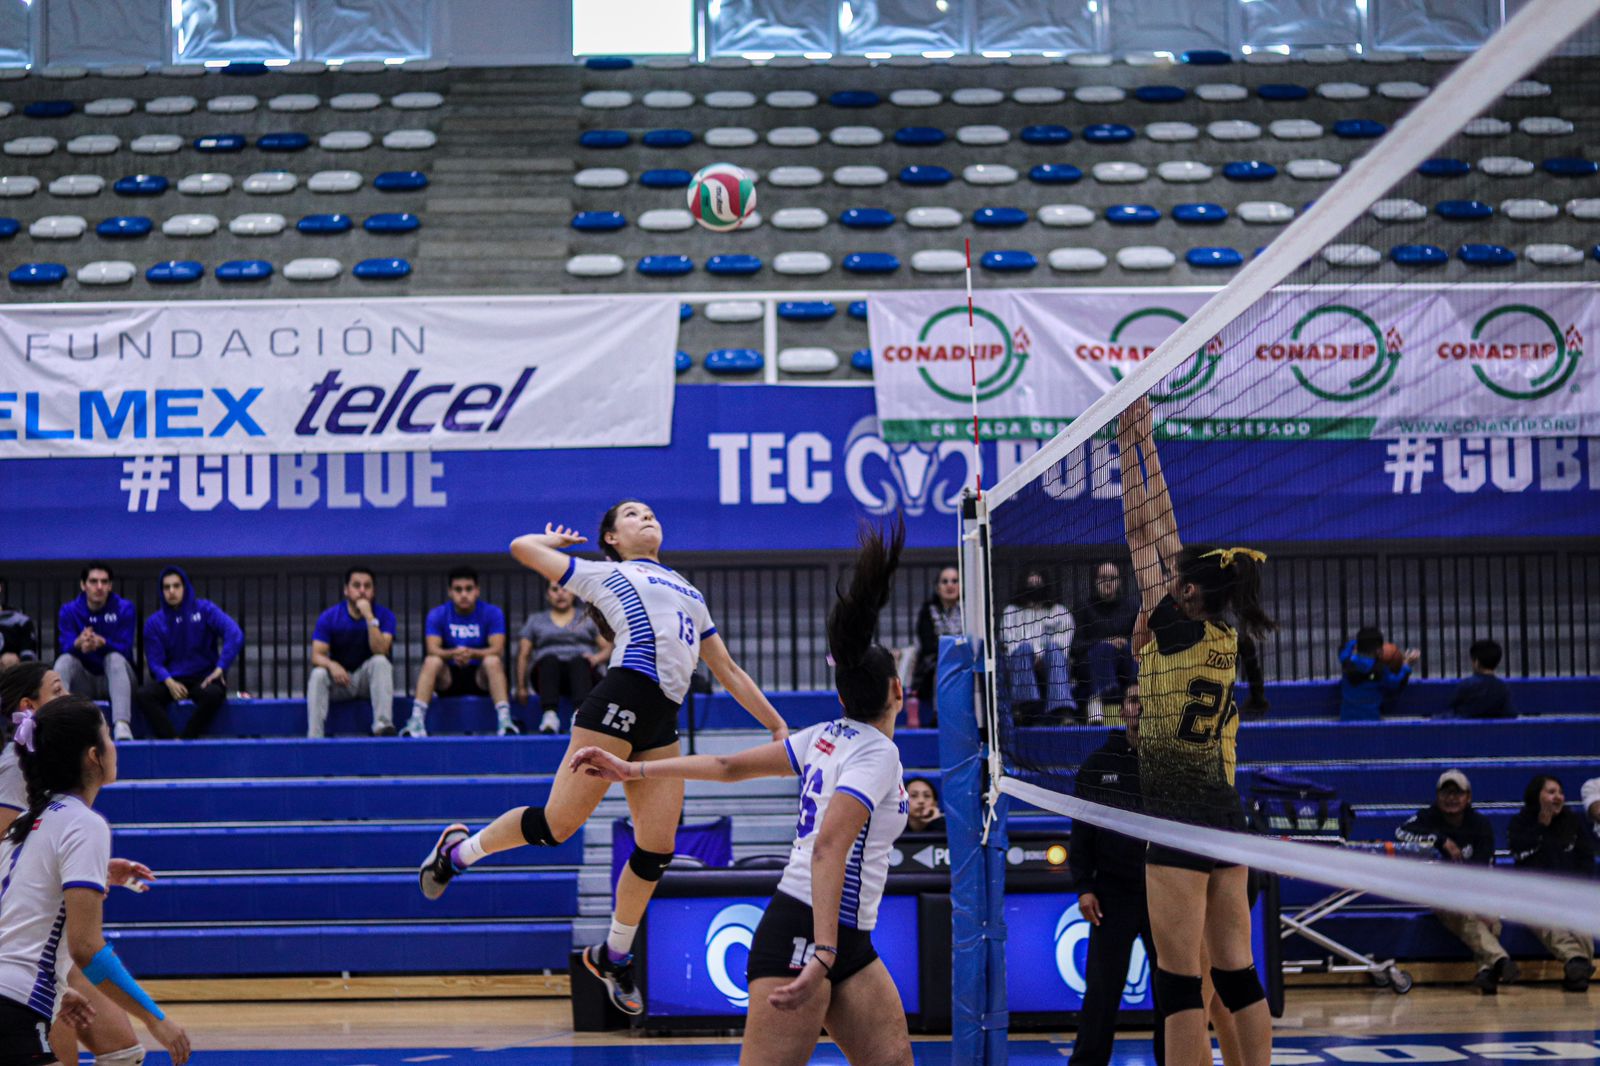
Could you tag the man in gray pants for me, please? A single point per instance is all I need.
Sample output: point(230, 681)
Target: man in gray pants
point(94, 635)
point(350, 656)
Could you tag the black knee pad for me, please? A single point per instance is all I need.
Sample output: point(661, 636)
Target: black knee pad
point(649, 865)
point(1178, 992)
point(535, 829)
point(1237, 989)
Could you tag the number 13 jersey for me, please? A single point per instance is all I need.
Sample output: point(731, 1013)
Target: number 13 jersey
point(659, 618)
point(854, 763)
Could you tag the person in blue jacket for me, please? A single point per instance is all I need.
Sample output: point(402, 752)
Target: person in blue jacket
point(1368, 682)
point(94, 646)
point(181, 649)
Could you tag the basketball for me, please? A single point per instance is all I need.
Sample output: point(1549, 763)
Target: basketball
point(1391, 656)
point(722, 196)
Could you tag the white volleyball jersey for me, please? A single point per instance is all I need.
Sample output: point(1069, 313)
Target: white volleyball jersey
point(659, 618)
point(854, 760)
point(69, 847)
point(13, 788)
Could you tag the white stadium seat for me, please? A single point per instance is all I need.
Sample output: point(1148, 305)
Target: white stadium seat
point(270, 183)
point(791, 99)
point(31, 146)
point(1487, 126)
point(1554, 254)
point(794, 136)
point(1325, 57)
point(205, 184)
point(1172, 131)
point(860, 176)
point(989, 174)
point(794, 177)
point(729, 63)
point(908, 61)
point(1265, 212)
point(171, 105)
point(730, 99)
point(666, 220)
point(257, 224)
point(1077, 259)
point(1586, 208)
point(332, 181)
point(361, 66)
point(667, 63)
point(1233, 129)
point(1313, 169)
point(190, 225)
point(156, 144)
point(63, 72)
point(1545, 126)
point(15, 186)
point(1505, 166)
point(983, 136)
point(808, 360)
point(726, 311)
point(969, 61)
point(1147, 59)
point(1266, 59)
point(938, 261)
point(842, 62)
point(78, 185)
point(124, 71)
point(294, 103)
point(356, 102)
point(1528, 89)
point(1120, 173)
point(1402, 90)
point(1026, 60)
point(345, 141)
point(1398, 210)
point(1295, 129)
point(1343, 90)
point(934, 218)
point(1089, 59)
point(667, 99)
point(314, 268)
point(601, 178)
point(1065, 215)
point(58, 228)
point(409, 140)
point(855, 136)
point(1529, 210)
point(191, 70)
point(1145, 257)
point(595, 266)
point(1184, 171)
point(1099, 94)
point(730, 137)
point(979, 96)
point(107, 272)
point(424, 66)
point(94, 144)
point(916, 98)
point(801, 263)
point(1221, 92)
point(1038, 94)
point(416, 101)
point(1351, 255)
point(606, 99)
point(800, 218)
point(1383, 57)
point(304, 67)
point(237, 104)
point(110, 106)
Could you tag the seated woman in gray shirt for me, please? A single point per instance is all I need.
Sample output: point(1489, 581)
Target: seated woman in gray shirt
point(564, 646)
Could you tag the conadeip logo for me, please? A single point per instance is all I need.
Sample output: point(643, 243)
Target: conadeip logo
point(1518, 352)
point(733, 926)
point(941, 357)
point(1137, 335)
point(1338, 336)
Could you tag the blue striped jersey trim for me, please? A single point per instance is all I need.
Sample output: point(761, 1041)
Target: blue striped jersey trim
point(12, 807)
point(711, 632)
point(640, 654)
point(572, 564)
point(848, 791)
point(43, 996)
point(850, 898)
point(84, 884)
point(788, 750)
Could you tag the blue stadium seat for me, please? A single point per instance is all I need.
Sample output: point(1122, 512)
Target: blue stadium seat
point(854, 98)
point(1132, 215)
point(38, 274)
point(1199, 214)
point(1357, 129)
point(49, 109)
point(244, 68)
point(1160, 94)
point(1282, 91)
point(1054, 174)
point(9, 227)
point(1206, 57)
point(999, 216)
point(140, 185)
point(919, 136)
point(665, 266)
point(381, 269)
point(1571, 167)
point(734, 361)
point(325, 224)
point(244, 270)
point(1249, 170)
point(667, 139)
point(220, 142)
point(685, 312)
point(608, 63)
point(1419, 255)
point(807, 310)
point(925, 175)
point(682, 361)
point(1046, 134)
point(1463, 210)
point(1108, 133)
point(175, 272)
point(598, 221)
point(1440, 167)
point(605, 139)
point(858, 310)
point(1486, 254)
point(283, 142)
point(665, 179)
point(400, 181)
point(866, 218)
point(870, 263)
point(861, 359)
point(1213, 258)
point(733, 264)
point(392, 222)
point(125, 226)
point(1009, 261)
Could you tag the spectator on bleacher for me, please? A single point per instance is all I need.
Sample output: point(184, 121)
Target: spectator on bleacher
point(1483, 695)
point(1037, 631)
point(1100, 641)
point(922, 807)
point(19, 640)
point(564, 647)
point(1589, 796)
point(94, 642)
point(466, 645)
point(940, 616)
point(350, 656)
point(181, 650)
point(1548, 835)
point(1460, 834)
point(1369, 682)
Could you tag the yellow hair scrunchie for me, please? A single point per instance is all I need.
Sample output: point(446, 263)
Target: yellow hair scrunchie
point(1229, 554)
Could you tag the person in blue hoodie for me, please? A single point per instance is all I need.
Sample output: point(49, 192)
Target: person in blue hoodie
point(1368, 683)
point(181, 648)
point(94, 645)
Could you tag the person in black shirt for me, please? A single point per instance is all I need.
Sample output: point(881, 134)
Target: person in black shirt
point(939, 616)
point(1548, 835)
point(1483, 695)
point(1100, 643)
point(19, 640)
point(1108, 873)
point(1460, 834)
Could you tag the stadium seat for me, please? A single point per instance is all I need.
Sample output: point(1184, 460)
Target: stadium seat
point(1108, 133)
point(857, 310)
point(855, 136)
point(663, 220)
point(341, 141)
point(730, 100)
point(794, 177)
point(977, 96)
point(860, 176)
point(999, 217)
point(1213, 258)
point(870, 263)
point(808, 360)
point(1206, 57)
point(175, 272)
point(1172, 132)
point(908, 98)
point(731, 137)
point(1265, 212)
point(685, 312)
point(107, 272)
point(1295, 129)
point(271, 183)
point(141, 185)
point(682, 362)
point(1463, 210)
point(1571, 167)
point(595, 266)
point(1398, 210)
point(409, 140)
point(1160, 94)
point(283, 142)
point(1545, 126)
point(334, 181)
point(1505, 166)
point(1585, 208)
point(854, 98)
point(244, 68)
point(297, 67)
point(866, 218)
point(989, 174)
point(111, 106)
point(807, 310)
point(938, 261)
point(58, 228)
point(604, 139)
point(983, 136)
point(258, 224)
point(120, 227)
point(1419, 255)
point(312, 269)
point(919, 136)
point(597, 178)
point(1249, 170)
point(933, 218)
point(1486, 126)
point(734, 361)
point(1527, 89)
point(665, 178)
point(726, 311)
point(205, 184)
point(733, 264)
point(605, 100)
point(791, 99)
point(1402, 90)
point(925, 175)
point(1233, 129)
point(94, 144)
point(608, 63)
point(802, 263)
point(598, 221)
point(195, 225)
point(1009, 261)
point(1343, 90)
point(233, 104)
point(38, 274)
point(1184, 171)
point(1200, 214)
point(355, 102)
point(1054, 174)
point(1076, 260)
point(76, 185)
point(290, 104)
point(156, 144)
point(381, 269)
point(1313, 169)
point(1358, 129)
point(1120, 173)
point(323, 225)
point(1132, 215)
point(1099, 94)
point(1280, 91)
point(220, 143)
point(9, 227)
point(861, 360)
point(49, 109)
point(1486, 255)
point(794, 136)
point(1553, 254)
point(1440, 167)
point(1065, 215)
point(1351, 255)
point(672, 138)
point(1145, 257)
point(30, 146)
point(1041, 135)
point(664, 266)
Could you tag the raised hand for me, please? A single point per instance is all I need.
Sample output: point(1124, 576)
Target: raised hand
point(597, 762)
point(560, 536)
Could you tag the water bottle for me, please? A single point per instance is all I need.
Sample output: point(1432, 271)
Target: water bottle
point(913, 711)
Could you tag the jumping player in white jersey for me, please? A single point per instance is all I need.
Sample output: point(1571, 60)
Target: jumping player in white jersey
point(812, 965)
point(56, 855)
point(662, 627)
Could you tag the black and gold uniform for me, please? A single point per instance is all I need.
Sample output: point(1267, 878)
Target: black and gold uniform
point(1188, 732)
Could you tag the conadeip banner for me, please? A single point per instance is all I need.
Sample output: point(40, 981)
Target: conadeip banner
point(276, 377)
point(1350, 362)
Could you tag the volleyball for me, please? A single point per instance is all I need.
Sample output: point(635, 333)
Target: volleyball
point(722, 196)
point(1392, 656)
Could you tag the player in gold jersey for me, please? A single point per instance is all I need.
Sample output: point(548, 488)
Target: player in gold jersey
point(1187, 651)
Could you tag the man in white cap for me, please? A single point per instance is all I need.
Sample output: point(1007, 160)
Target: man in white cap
point(1460, 834)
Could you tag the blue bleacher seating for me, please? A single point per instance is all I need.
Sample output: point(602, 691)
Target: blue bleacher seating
point(1009, 261)
point(1440, 167)
point(605, 138)
point(400, 181)
point(49, 109)
point(999, 216)
point(322, 225)
point(734, 361)
point(664, 266)
point(1108, 133)
point(682, 362)
point(244, 68)
point(1571, 167)
point(1419, 255)
point(1054, 174)
point(1046, 134)
point(1199, 214)
point(9, 227)
point(598, 221)
point(919, 136)
point(1132, 215)
point(1463, 210)
point(38, 274)
point(807, 310)
point(870, 263)
point(854, 98)
point(667, 178)
point(608, 63)
point(1213, 258)
point(1206, 57)
point(858, 310)
point(1486, 254)
point(1249, 170)
point(140, 185)
point(733, 264)
point(392, 222)
point(125, 226)
point(220, 142)
point(283, 142)
point(382, 269)
point(866, 218)
point(925, 175)
point(861, 359)
point(175, 272)
point(1359, 129)
point(1160, 94)
point(667, 139)
point(1282, 91)
point(244, 270)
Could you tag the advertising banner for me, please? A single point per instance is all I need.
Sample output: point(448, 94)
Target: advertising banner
point(1355, 362)
point(270, 377)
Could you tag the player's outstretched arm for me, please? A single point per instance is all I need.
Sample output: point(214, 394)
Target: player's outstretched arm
point(741, 686)
point(767, 760)
point(1142, 530)
point(542, 552)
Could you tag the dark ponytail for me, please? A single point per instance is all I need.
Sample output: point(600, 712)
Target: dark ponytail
point(862, 667)
point(1229, 579)
point(63, 730)
point(20, 682)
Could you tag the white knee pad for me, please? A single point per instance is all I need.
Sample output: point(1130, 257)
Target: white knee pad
point(128, 1056)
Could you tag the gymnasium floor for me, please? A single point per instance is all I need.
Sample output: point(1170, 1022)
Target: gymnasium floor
point(1321, 1026)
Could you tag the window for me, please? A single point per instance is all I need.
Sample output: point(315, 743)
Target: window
point(632, 27)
